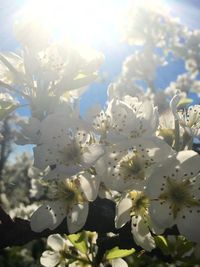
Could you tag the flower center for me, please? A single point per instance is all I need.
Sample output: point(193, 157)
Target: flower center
point(179, 195)
point(132, 167)
point(68, 192)
point(139, 203)
point(71, 154)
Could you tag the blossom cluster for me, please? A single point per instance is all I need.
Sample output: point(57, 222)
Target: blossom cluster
point(137, 150)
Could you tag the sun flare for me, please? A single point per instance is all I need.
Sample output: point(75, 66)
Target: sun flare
point(85, 21)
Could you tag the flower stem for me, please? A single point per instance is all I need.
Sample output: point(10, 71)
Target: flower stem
point(177, 136)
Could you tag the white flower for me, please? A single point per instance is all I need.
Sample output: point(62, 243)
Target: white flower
point(184, 83)
point(23, 211)
point(70, 199)
point(44, 76)
point(37, 188)
point(66, 145)
point(134, 206)
point(101, 120)
point(130, 119)
point(118, 263)
point(189, 119)
point(146, 63)
point(148, 22)
point(191, 66)
point(174, 193)
point(166, 129)
point(56, 256)
point(129, 164)
point(190, 51)
point(123, 87)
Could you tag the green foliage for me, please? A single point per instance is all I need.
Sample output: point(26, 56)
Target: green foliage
point(118, 253)
point(184, 102)
point(162, 243)
point(79, 241)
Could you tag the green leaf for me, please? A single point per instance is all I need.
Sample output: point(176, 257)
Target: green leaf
point(161, 242)
point(118, 253)
point(183, 246)
point(79, 241)
point(184, 102)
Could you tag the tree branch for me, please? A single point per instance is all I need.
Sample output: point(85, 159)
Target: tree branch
point(18, 231)
point(101, 217)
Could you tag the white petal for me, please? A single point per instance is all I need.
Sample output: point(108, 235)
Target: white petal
point(53, 125)
point(159, 150)
point(196, 188)
point(119, 263)
point(63, 264)
point(54, 175)
point(50, 258)
point(188, 222)
point(89, 185)
point(67, 170)
point(92, 154)
point(48, 216)
point(141, 233)
point(56, 242)
point(42, 156)
point(123, 212)
point(154, 229)
point(154, 184)
point(190, 163)
point(160, 214)
point(77, 217)
point(101, 167)
point(157, 181)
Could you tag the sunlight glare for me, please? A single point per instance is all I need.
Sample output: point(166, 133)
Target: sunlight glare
point(85, 21)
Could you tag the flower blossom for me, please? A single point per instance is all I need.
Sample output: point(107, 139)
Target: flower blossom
point(56, 256)
point(129, 164)
point(174, 193)
point(67, 146)
point(134, 206)
point(126, 119)
point(70, 197)
point(189, 119)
